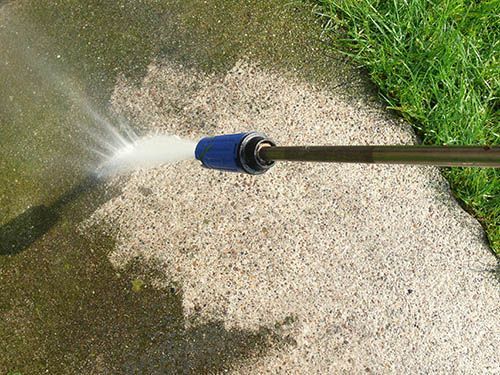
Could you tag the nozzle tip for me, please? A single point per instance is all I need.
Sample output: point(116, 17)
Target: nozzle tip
point(234, 152)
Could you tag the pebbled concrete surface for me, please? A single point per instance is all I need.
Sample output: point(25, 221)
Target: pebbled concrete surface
point(371, 269)
point(313, 295)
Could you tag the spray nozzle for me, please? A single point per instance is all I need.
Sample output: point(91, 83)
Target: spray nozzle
point(234, 152)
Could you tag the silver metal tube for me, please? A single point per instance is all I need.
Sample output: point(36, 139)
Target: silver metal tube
point(444, 156)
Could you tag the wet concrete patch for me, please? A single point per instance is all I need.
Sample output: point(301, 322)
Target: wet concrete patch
point(65, 309)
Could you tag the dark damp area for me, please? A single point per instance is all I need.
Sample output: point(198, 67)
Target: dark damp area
point(64, 308)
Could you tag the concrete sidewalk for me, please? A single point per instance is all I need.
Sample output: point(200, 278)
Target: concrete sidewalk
point(357, 268)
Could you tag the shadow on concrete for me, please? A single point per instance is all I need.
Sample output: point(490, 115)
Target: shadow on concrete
point(208, 348)
point(79, 314)
point(29, 226)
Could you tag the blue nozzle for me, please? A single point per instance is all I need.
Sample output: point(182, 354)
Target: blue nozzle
point(234, 152)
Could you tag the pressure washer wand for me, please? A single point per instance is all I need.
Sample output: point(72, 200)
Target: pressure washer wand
point(444, 156)
point(254, 153)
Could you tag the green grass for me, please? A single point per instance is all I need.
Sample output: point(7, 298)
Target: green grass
point(436, 63)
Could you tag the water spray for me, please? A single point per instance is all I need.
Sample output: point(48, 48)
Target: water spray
point(254, 153)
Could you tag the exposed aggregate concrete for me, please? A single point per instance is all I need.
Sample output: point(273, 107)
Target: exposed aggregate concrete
point(374, 268)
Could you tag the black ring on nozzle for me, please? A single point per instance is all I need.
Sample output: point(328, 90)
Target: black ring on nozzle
point(249, 155)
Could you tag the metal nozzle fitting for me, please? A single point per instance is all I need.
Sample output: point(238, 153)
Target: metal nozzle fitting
point(234, 152)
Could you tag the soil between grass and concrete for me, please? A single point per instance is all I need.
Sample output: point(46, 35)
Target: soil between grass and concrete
point(309, 268)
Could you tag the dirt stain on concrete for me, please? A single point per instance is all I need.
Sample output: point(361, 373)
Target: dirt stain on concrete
point(64, 308)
